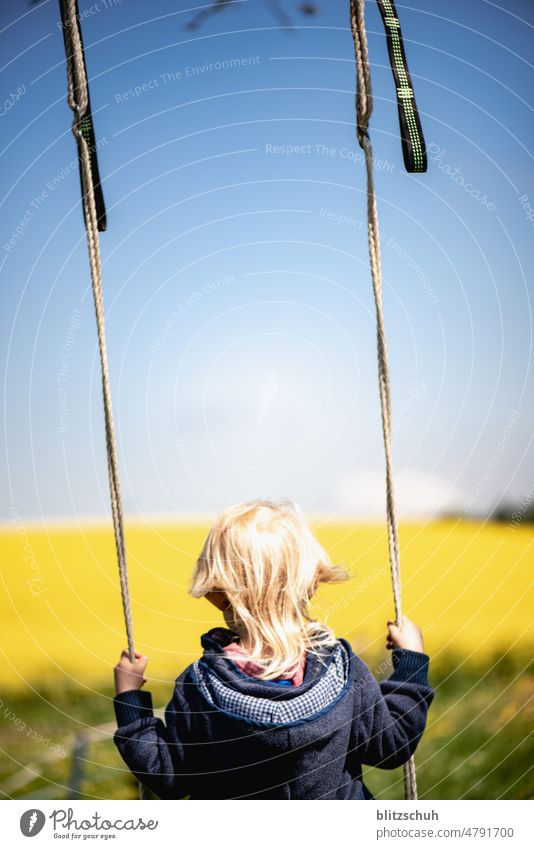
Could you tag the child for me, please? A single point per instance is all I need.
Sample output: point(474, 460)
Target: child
point(277, 707)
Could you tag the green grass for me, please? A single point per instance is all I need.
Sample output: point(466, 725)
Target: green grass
point(476, 745)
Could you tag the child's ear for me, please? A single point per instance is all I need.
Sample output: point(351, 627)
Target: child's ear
point(218, 599)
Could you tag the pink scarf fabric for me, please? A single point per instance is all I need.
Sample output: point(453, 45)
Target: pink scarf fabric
point(239, 657)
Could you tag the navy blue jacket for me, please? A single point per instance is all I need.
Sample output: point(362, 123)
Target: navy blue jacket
point(228, 735)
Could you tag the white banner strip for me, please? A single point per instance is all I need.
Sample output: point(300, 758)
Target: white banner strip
point(256, 824)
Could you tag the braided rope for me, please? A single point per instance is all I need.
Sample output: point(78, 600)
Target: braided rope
point(77, 97)
point(364, 107)
point(78, 101)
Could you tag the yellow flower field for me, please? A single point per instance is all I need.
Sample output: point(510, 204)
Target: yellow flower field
point(468, 585)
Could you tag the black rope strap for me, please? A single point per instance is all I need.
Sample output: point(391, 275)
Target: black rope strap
point(413, 142)
point(85, 120)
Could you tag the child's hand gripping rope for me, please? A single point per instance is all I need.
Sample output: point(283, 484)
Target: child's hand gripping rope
point(128, 675)
point(408, 636)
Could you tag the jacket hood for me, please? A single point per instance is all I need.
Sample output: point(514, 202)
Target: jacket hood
point(229, 689)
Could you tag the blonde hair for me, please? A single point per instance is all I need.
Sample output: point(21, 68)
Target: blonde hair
point(264, 558)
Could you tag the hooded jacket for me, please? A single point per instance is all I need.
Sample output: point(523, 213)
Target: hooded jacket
point(228, 735)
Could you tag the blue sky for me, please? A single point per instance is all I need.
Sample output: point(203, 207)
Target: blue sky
point(240, 316)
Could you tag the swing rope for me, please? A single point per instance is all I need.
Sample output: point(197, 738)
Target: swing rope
point(364, 107)
point(78, 100)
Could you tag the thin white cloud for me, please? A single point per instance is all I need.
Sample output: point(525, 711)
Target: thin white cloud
point(418, 494)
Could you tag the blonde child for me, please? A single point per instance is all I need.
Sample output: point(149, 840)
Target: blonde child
point(277, 707)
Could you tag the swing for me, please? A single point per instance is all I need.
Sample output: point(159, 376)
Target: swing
point(414, 154)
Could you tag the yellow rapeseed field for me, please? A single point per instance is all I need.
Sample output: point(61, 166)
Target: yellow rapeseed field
point(468, 585)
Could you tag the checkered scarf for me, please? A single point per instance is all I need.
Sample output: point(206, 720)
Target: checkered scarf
point(277, 711)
